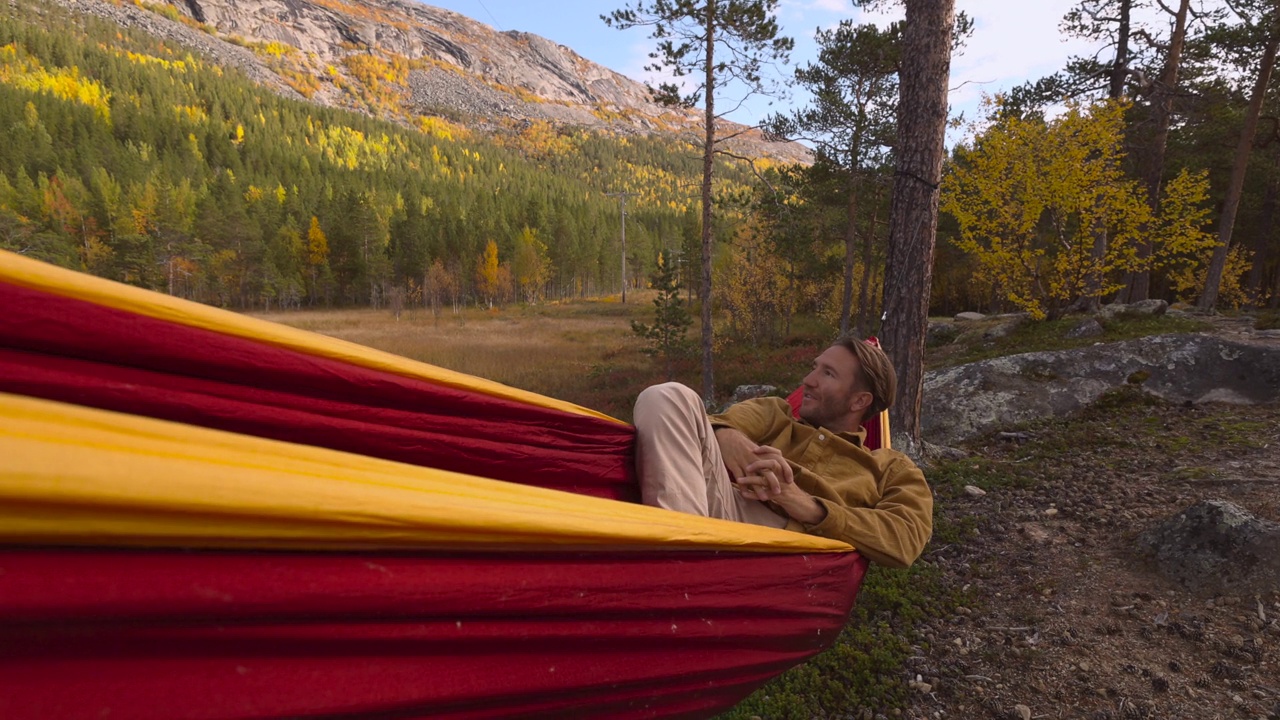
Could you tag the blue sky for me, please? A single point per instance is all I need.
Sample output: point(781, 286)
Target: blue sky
point(1013, 41)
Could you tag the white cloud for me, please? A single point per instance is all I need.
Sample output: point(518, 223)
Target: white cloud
point(831, 6)
point(1012, 43)
point(635, 69)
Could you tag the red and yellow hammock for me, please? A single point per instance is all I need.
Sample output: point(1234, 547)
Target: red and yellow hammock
point(204, 515)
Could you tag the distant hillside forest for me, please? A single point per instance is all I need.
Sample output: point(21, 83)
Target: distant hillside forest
point(131, 159)
point(128, 157)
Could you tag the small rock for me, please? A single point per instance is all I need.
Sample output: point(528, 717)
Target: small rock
point(1215, 546)
point(1035, 532)
point(1023, 711)
point(941, 332)
point(1051, 512)
point(1088, 327)
point(1148, 307)
point(750, 392)
point(921, 687)
point(974, 491)
point(1002, 329)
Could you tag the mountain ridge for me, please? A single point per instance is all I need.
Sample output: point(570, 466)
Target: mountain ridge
point(406, 60)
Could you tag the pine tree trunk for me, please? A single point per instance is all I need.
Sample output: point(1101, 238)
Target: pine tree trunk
point(1120, 68)
point(864, 292)
point(913, 215)
point(850, 239)
point(1139, 285)
point(1235, 188)
point(708, 155)
point(1119, 71)
point(1266, 225)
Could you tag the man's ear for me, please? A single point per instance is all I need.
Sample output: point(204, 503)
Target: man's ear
point(860, 402)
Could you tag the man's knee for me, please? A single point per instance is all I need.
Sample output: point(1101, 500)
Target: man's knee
point(665, 397)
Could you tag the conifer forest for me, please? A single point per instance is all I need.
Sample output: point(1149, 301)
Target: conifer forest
point(1150, 169)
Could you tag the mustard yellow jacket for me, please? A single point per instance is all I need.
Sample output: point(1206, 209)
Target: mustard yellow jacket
point(876, 500)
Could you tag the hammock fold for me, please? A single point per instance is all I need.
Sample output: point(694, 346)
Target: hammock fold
point(209, 516)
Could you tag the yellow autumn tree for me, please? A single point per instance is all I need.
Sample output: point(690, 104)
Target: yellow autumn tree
point(530, 265)
point(317, 244)
point(437, 285)
point(1188, 279)
point(488, 282)
point(756, 290)
point(1050, 216)
point(317, 254)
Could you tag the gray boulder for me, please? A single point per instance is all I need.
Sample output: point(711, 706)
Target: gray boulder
point(941, 332)
point(1004, 324)
point(1215, 546)
point(973, 399)
point(970, 316)
point(1149, 307)
point(1138, 309)
point(1087, 328)
point(750, 392)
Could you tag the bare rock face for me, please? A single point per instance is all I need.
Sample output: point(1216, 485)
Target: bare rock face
point(219, 51)
point(472, 70)
point(1216, 546)
point(413, 30)
point(969, 400)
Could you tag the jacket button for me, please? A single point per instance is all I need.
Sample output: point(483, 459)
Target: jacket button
point(822, 437)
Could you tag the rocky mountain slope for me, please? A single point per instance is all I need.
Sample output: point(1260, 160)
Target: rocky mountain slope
point(405, 60)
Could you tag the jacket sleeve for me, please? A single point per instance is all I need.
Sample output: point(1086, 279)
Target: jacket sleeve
point(894, 532)
point(762, 419)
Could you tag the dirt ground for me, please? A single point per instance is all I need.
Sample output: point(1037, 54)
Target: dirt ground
point(1064, 618)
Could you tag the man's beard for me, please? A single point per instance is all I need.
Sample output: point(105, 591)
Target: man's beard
point(827, 412)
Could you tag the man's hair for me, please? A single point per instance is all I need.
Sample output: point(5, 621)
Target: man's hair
point(878, 377)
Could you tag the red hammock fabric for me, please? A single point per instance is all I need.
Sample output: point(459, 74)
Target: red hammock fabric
point(78, 352)
point(149, 634)
point(139, 633)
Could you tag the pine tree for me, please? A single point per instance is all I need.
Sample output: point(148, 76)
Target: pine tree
point(913, 215)
point(668, 335)
point(689, 34)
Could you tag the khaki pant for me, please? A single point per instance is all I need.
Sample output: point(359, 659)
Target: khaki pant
point(679, 462)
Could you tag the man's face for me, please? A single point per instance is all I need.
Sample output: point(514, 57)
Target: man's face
point(832, 398)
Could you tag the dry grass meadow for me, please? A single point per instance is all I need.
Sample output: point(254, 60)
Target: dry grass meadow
point(582, 351)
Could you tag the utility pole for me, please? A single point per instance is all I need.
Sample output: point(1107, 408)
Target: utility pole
point(622, 196)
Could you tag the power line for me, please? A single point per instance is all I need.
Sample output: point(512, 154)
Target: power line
point(491, 17)
point(623, 197)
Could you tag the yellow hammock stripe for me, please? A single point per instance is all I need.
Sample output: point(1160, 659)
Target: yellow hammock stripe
point(33, 274)
point(71, 475)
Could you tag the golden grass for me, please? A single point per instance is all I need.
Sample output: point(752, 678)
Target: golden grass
point(565, 351)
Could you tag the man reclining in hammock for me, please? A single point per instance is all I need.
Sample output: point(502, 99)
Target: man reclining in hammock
point(756, 464)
